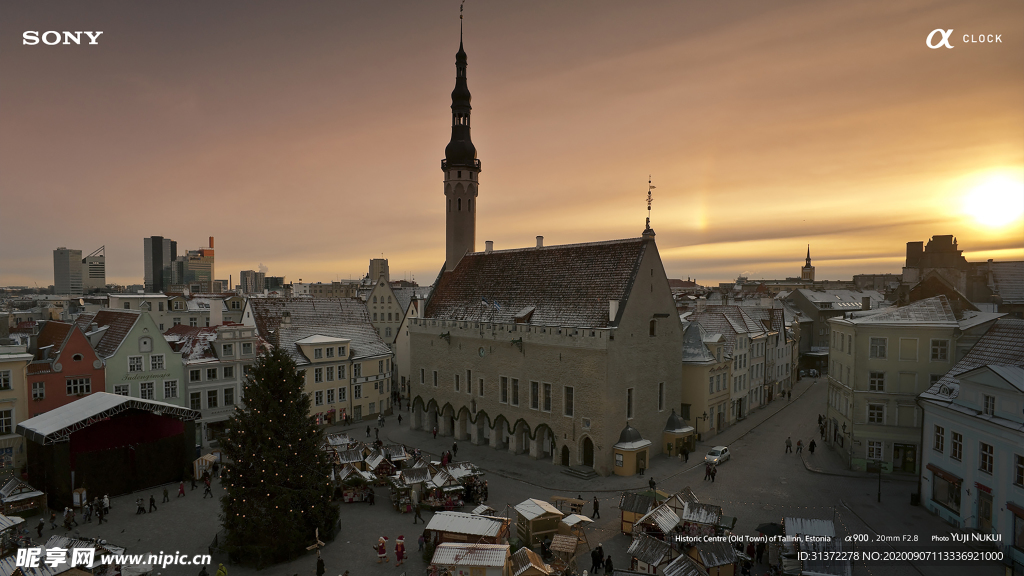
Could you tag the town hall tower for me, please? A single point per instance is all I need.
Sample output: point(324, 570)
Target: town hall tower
point(461, 171)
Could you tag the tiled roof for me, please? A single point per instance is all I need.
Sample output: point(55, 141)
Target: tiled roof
point(635, 503)
point(53, 334)
point(694, 349)
point(193, 342)
point(685, 566)
point(405, 295)
point(337, 317)
point(1008, 278)
point(728, 321)
point(568, 285)
point(119, 323)
point(842, 299)
point(1002, 345)
point(935, 310)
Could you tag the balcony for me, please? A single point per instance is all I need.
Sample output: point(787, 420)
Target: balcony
point(444, 164)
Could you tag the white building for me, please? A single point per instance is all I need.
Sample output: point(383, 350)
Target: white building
point(972, 472)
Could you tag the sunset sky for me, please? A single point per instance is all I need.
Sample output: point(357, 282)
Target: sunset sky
point(307, 136)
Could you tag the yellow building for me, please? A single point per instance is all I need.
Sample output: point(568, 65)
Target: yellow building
point(14, 362)
point(706, 376)
point(347, 365)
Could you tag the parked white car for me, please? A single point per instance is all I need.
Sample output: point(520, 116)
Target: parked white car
point(717, 455)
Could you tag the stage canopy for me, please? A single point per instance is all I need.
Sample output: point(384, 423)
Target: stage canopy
point(58, 424)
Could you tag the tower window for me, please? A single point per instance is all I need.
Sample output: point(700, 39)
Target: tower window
point(460, 173)
point(469, 203)
point(460, 204)
point(449, 204)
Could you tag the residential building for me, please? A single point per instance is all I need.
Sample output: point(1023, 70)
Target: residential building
point(216, 361)
point(158, 253)
point(878, 364)
point(67, 271)
point(385, 311)
point(139, 362)
point(346, 364)
point(972, 473)
point(336, 289)
point(706, 378)
point(14, 362)
point(251, 281)
point(745, 342)
point(187, 309)
point(65, 367)
point(818, 306)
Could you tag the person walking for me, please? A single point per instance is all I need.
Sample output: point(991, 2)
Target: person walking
point(714, 471)
point(799, 446)
point(152, 503)
point(371, 496)
point(167, 498)
point(106, 504)
point(810, 447)
point(760, 551)
point(221, 570)
point(417, 514)
point(421, 541)
point(597, 508)
point(99, 515)
point(40, 526)
point(367, 430)
point(87, 512)
point(399, 417)
point(400, 551)
point(435, 432)
point(594, 561)
point(319, 565)
point(181, 489)
point(208, 489)
point(608, 567)
point(686, 455)
point(789, 444)
point(653, 485)
point(140, 506)
point(789, 395)
point(707, 471)
point(455, 448)
point(53, 520)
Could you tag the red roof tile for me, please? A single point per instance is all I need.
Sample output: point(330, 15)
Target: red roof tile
point(119, 323)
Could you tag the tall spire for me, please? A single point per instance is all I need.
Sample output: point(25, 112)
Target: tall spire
point(460, 151)
point(808, 254)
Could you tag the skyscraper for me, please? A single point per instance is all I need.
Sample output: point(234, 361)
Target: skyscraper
point(67, 271)
point(158, 253)
point(94, 270)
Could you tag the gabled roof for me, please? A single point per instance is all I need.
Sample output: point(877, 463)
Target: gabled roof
point(466, 523)
point(649, 550)
point(53, 334)
point(334, 317)
point(694, 349)
point(458, 554)
point(118, 323)
point(1001, 345)
point(715, 553)
point(568, 285)
point(701, 513)
point(661, 516)
point(524, 559)
point(683, 565)
point(16, 489)
point(635, 503)
point(533, 508)
point(1008, 278)
point(931, 311)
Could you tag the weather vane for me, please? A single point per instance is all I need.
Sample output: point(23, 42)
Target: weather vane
point(650, 198)
point(460, 9)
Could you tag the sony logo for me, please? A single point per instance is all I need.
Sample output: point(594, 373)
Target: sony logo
point(53, 37)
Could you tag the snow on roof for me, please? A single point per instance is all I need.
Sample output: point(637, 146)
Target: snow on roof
point(694, 349)
point(1000, 346)
point(635, 503)
point(16, 489)
point(661, 516)
point(684, 565)
point(716, 553)
point(336, 317)
point(649, 550)
point(57, 424)
point(808, 527)
point(970, 318)
point(574, 519)
point(458, 554)
point(1008, 280)
point(321, 339)
point(701, 513)
point(524, 559)
point(68, 543)
point(532, 508)
point(466, 523)
point(935, 310)
point(9, 521)
point(118, 324)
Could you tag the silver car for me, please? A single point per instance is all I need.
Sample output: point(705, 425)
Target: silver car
point(717, 455)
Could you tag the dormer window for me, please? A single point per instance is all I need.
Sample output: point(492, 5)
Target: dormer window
point(989, 405)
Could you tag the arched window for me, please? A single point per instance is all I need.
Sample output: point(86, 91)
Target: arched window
point(449, 204)
point(77, 357)
point(654, 327)
point(374, 299)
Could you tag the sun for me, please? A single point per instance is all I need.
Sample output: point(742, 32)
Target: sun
point(996, 202)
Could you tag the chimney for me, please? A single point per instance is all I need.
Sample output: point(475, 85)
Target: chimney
point(766, 301)
point(216, 312)
point(613, 310)
point(540, 241)
point(865, 303)
point(489, 246)
point(211, 242)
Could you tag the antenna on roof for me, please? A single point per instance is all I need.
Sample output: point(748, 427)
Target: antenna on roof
point(650, 198)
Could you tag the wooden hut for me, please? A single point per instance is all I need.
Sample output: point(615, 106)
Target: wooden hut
point(717, 558)
point(526, 562)
point(19, 498)
point(684, 565)
point(465, 527)
point(647, 554)
point(378, 463)
point(700, 519)
point(473, 559)
point(659, 523)
point(633, 506)
point(536, 520)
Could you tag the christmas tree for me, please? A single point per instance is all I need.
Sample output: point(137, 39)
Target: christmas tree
point(279, 490)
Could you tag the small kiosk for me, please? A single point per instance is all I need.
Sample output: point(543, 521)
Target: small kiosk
point(632, 452)
point(18, 497)
point(633, 506)
point(573, 525)
point(473, 559)
point(355, 483)
point(464, 527)
point(536, 520)
point(717, 558)
point(677, 436)
point(699, 519)
point(647, 554)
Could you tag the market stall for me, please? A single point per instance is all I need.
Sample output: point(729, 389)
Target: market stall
point(717, 558)
point(700, 519)
point(465, 527)
point(659, 523)
point(473, 559)
point(574, 525)
point(646, 554)
point(633, 506)
point(378, 463)
point(536, 520)
point(355, 483)
point(18, 497)
point(415, 479)
point(563, 549)
point(526, 562)
point(443, 492)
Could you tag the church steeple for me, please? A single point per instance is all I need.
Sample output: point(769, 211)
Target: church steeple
point(461, 169)
point(807, 271)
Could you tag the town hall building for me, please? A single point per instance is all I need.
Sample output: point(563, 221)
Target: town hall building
point(551, 351)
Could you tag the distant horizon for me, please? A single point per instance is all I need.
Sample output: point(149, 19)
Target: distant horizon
point(308, 137)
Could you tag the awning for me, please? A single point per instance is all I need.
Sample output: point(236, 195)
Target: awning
point(944, 475)
point(1015, 508)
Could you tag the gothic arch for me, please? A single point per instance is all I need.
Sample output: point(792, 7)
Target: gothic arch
point(515, 426)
